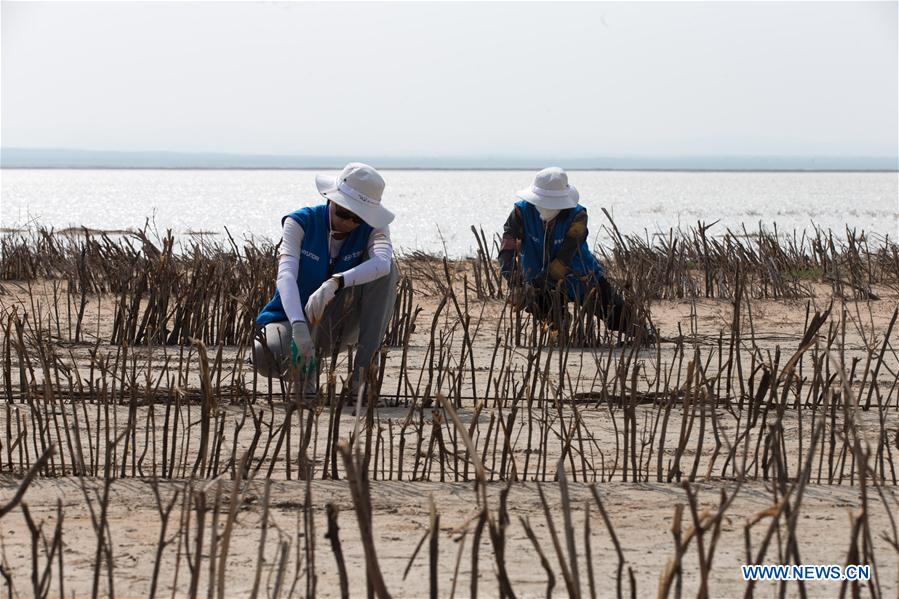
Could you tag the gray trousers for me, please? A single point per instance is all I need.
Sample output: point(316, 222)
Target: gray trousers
point(356, 315)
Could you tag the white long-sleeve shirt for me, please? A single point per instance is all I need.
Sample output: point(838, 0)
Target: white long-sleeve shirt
point(380, 253)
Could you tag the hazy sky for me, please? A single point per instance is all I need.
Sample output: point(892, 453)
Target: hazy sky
point(453, 79)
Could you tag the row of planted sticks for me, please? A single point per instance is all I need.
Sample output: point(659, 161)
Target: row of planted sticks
point(702, 413)
point(165, 292)
point(199, 521)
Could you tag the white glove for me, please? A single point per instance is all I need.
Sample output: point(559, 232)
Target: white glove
point(319, 300)
point(302, 340)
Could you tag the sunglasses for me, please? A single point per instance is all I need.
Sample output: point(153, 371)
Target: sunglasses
point(344, 214)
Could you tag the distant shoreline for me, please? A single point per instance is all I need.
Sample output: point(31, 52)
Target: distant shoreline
point(63, 158)
point(448, 169)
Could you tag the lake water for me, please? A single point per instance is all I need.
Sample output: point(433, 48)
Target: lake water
point(437, 207)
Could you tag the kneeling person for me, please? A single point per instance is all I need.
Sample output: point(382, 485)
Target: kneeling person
point(545, 258)
point(336, 282)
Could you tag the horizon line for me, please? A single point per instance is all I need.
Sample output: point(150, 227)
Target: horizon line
point(451, 168)
point(65, 158)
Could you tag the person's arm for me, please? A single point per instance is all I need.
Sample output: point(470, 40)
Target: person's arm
point(513, 233)
point(377, 265)
point(289, 270)
point(576, 234)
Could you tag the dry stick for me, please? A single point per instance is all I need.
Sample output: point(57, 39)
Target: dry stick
point(42, 583)
point(229, 525)
point(284, 432)
point(434, 553)
point(34, 531)
point(29, 477)
point(588, 552)
point(32, 528)
point(358, 489)
point(481, 492)
point(852, 556)
point(309, 529)
point(297, 571)
point(464, 319)
point(497, 531)
point(718, 444)
point(59, 516)
point(260, 557)
point(101, 529)
point(333, 535)
point(282, 567)
point(357, 411)
point(883, 348)
point(551, 578)
point(673, 567)
point(781, 474)
point(716, 524)
point(867, 538)
point(475, 545)
point(615, 542)
point(778, 509)
point(164, 514)
point(569, 528)
point(566, 574)
point(208, 407)
point(861, 452)
point(34, 557)
point(335, 403)
point(461, 542)
point(703, 592)
point(418, 547)
point(686, 423)
point(702, 399)
point(183, 523)
point(471, 451)
point(195, 571)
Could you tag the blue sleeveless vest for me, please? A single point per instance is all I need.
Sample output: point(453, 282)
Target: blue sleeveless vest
point(585, 269)
point(314, 260)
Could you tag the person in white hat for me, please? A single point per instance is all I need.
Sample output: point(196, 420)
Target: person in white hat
point(545, 257)
point(336, 281)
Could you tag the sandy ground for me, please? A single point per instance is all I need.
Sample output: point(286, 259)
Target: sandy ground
point(641, 512)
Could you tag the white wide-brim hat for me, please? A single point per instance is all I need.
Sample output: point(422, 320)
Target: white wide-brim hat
point(358, 188)
point(550, 190)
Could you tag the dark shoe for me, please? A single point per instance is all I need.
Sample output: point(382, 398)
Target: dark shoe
point(649, 336)
point(368, 395)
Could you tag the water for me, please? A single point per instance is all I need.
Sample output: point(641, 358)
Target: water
point(437, 207)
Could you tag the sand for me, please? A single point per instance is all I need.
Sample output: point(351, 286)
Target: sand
point(641, 512)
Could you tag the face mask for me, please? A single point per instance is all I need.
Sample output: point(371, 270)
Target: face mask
point(547, 214)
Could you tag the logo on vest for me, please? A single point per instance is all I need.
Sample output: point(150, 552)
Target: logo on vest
point(352, 256)
point(309, 254)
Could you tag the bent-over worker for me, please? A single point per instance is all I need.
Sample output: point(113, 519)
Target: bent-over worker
point(545, 258)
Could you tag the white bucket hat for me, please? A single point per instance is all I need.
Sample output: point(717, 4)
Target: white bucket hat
point(357, 188)
point(550, 190)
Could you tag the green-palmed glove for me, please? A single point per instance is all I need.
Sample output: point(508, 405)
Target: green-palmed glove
point(302, 350)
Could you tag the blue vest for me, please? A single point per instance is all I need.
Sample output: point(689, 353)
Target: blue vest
point(315, 267)
point(585, 269)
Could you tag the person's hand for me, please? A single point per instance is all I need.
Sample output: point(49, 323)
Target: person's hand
point(517, 297)
point(319, 300)
point(301, 347)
